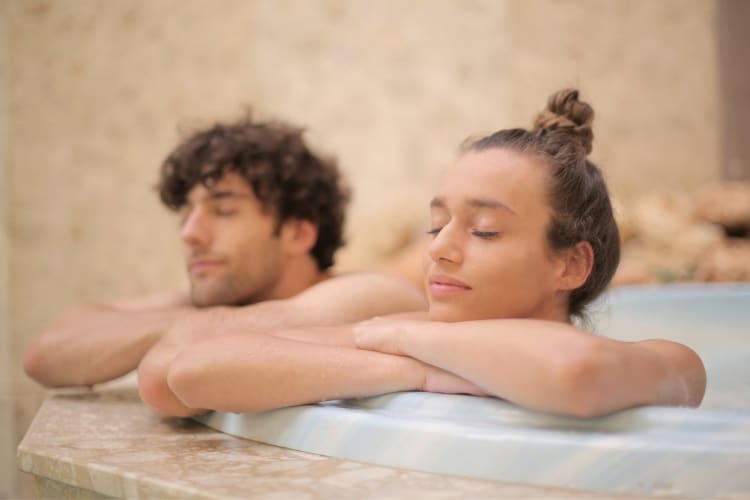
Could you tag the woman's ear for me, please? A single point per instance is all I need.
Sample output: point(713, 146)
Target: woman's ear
point(298, 236)
point(578, 262)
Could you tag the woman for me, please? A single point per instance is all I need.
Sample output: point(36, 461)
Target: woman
point(523, 238)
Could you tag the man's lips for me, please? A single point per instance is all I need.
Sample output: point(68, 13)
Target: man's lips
point(442, 285)
point(197, 266)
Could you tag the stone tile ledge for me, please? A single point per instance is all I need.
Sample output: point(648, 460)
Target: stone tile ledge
point(105, 442)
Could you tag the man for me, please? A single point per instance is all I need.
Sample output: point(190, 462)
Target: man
point(262, 217)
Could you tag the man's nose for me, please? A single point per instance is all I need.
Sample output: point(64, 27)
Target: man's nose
point(446, 247)
point(195, 229)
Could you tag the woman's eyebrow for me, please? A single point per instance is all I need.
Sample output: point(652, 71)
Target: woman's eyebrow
point(489, 203)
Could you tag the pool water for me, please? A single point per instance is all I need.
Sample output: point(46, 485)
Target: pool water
point(714, 320)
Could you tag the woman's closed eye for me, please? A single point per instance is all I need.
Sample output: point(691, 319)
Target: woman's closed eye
point(487, 235)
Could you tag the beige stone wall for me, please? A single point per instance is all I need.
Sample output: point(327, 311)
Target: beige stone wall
point(650, 70)
point(96, 91)
point(7, 439)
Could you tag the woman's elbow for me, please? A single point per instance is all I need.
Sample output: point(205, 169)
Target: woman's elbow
point(155, 392)
point(183, 379)
point(580, 382)
point(686, 378)
point(200, 379)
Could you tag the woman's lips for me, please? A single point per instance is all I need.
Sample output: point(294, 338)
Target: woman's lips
point(445, 285)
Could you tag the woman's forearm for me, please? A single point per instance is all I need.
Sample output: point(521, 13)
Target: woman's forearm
point(259, 372)
point(555, 367)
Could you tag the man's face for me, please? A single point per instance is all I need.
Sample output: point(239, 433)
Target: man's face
point(232, 254)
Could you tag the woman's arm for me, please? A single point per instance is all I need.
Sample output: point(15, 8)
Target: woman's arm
point(547, 366)
point(154, 369)
point(336, 301)
point(246, 373)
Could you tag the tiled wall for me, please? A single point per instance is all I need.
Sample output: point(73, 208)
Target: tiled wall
point(96, 91)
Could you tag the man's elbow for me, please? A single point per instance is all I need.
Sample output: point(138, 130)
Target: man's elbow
point(33, 363)
point(38, 363)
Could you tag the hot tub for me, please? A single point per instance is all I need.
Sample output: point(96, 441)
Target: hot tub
point(652, 451)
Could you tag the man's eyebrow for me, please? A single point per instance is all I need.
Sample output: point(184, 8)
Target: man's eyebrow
point(437, 203)
point(489, 203)
point(218, 195)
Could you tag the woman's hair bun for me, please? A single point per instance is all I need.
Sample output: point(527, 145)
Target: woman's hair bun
point(566, 113)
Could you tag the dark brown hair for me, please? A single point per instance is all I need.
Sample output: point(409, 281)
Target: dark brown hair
point(290, 180)
point(578, 195)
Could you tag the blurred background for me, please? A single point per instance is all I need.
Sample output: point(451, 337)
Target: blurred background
point(94, 94)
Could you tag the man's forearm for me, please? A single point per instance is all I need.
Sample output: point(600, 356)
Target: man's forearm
point(337, 301)
point(92, 344)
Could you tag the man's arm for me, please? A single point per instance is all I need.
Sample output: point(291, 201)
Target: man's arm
point(94, 343)
point(340, 300)
point(547, 366)
point(408, 263)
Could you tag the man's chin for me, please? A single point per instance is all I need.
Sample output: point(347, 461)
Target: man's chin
point(201, 297)
point(206, 298)
point(200, 303)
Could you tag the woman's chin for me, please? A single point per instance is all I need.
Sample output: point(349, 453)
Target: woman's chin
point(448, 313)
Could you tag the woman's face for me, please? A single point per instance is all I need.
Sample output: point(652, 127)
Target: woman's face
point(489, 257)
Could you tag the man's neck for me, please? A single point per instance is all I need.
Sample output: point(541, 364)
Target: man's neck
point(298, 276)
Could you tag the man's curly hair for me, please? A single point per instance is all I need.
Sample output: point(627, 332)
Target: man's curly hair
point(290, 180)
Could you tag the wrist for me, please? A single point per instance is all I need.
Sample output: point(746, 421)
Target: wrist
point(413, 372)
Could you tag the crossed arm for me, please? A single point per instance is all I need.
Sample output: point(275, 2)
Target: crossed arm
point(95, 343)
point(334, 302)
point(541, 365)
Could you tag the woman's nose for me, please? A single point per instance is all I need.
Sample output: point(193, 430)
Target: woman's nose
point(446, 246)
point(195, 229)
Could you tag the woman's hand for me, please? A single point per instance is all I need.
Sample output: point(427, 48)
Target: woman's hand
point(382, 334)
point(438, 380)
point(385, 335)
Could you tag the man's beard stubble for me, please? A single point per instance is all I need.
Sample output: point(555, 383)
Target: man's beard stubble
point(223, 292)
